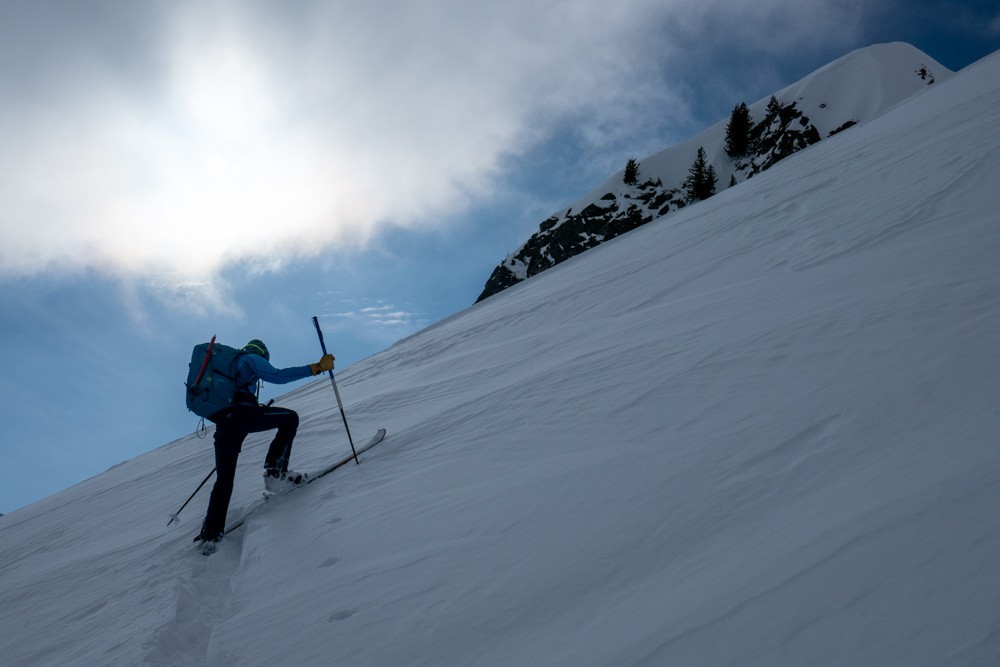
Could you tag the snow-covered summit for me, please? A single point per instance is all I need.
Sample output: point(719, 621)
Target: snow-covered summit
point(853, 89)
point(765, 434)
point(863, 84)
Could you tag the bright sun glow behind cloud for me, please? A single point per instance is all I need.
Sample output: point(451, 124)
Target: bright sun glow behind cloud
point(210, 167)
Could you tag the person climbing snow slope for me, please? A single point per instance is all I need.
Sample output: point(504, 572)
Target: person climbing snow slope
point(245, 415)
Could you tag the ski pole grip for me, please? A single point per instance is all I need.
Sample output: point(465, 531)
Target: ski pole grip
point(322, 344)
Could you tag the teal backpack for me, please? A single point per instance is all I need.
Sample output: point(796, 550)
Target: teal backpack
point(211, 381)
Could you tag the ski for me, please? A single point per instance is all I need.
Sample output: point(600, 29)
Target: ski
point(377, 438)
point(310, 478)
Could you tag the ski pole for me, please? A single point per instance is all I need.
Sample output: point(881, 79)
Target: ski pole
point(336, 391)
point(173, 517)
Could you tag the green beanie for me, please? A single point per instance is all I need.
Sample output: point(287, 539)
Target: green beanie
point(257, 347)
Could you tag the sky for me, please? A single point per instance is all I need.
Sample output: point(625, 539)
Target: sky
point(177, 170)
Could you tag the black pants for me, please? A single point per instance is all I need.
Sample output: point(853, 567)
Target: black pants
point(232, 428)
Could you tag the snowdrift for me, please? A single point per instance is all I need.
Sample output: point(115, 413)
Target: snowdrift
point(760, 431)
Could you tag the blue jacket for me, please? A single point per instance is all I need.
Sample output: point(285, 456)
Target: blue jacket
point(251, 368)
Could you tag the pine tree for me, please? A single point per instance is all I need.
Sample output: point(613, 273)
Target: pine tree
point(738, 132)
point(631, 172)
point(710, 182)
point(701, 181)
point(773, 107)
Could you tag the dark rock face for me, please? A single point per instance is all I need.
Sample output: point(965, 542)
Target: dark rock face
point(560, 237)
point(783, 131)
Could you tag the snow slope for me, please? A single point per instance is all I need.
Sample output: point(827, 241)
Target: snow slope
point(760, 431)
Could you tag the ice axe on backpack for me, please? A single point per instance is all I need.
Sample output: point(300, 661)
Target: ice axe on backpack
point(336, 391)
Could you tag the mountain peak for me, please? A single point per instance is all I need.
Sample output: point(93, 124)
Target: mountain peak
point(851, 90)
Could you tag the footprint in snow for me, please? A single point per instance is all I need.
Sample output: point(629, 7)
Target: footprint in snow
point(341, 615)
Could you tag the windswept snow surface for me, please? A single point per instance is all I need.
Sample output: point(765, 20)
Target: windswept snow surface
point(763, 430)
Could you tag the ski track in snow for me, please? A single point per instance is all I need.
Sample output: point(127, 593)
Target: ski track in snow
point(202, 591)
point(760, 431)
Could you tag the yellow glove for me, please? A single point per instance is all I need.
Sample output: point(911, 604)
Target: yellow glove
point(324, 364)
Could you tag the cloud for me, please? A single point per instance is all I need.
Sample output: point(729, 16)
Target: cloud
point(380, 321)
point(246, 131)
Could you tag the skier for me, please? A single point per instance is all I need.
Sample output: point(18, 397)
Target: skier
point(244, 416)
